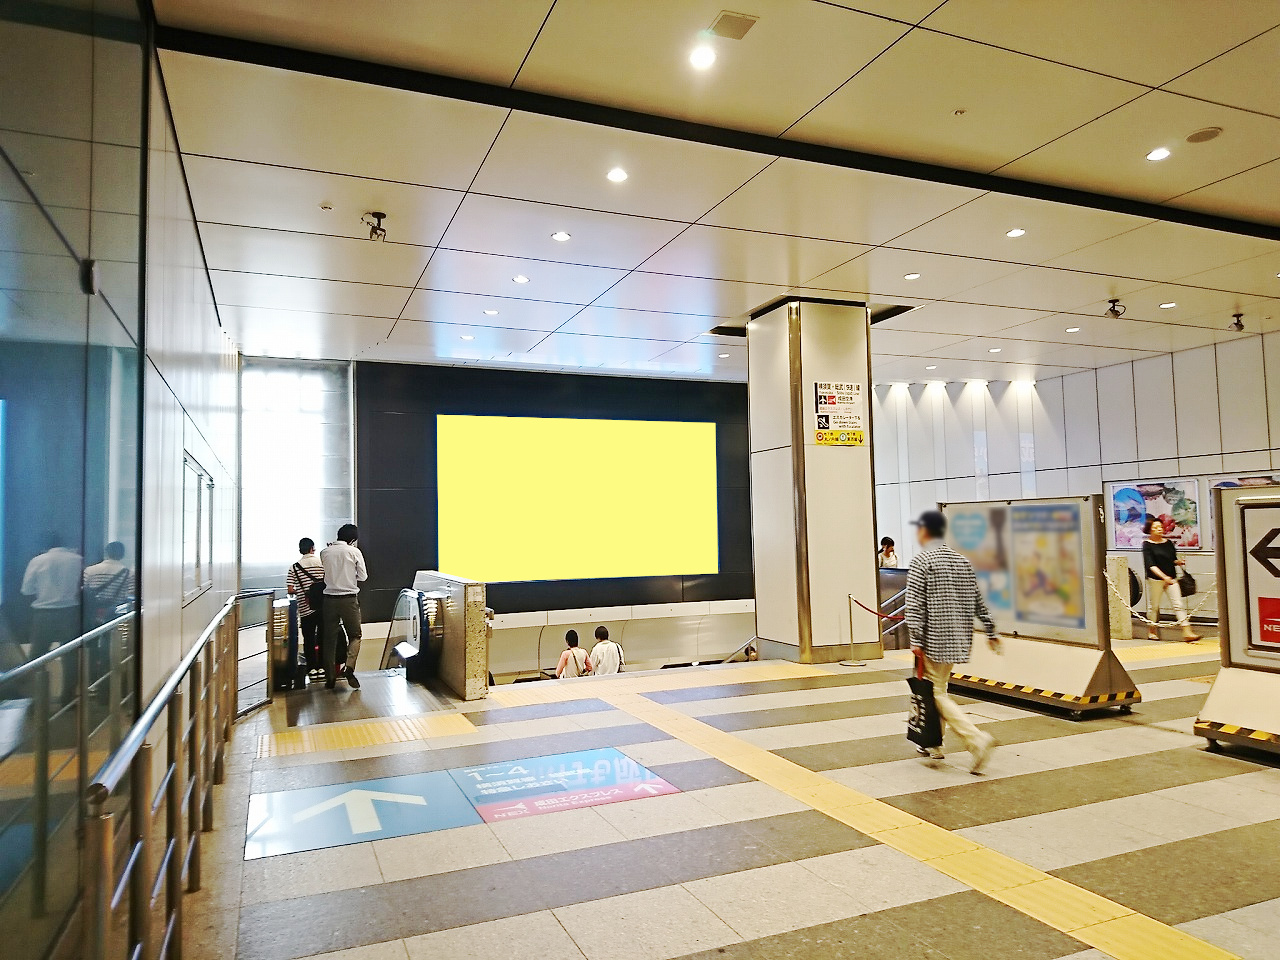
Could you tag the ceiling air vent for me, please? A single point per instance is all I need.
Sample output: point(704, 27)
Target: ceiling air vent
point(732, 26)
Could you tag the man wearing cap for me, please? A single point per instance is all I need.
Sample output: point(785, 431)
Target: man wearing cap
point(942, 601)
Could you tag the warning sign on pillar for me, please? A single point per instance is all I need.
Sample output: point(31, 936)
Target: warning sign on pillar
point(839, 419)
point(1261, 536)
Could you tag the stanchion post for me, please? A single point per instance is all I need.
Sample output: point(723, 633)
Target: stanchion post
point(208, 732)
point(83, 706)
point(140, 834)
point(40, 788)
point(195, 769)
point(115, 691)
point(173, 819)
point(97, 859)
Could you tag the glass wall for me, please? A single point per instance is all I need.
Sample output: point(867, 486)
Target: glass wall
point(71, 109)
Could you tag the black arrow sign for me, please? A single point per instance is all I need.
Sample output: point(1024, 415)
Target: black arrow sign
point(1266, 553)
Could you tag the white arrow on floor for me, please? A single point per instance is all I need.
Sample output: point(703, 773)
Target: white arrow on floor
point(648, 788)
point(360, 810)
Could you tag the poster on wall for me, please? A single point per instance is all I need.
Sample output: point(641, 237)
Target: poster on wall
point(1048, 564)
point(1175, 503)
point(1246, 480)
point(981, 532)
point(839, 420)
point(1260, 532)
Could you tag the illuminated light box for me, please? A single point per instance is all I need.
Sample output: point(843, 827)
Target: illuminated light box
point(533, 498)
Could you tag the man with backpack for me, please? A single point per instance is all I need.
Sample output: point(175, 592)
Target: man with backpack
point(343, 572)
point(305, 581)
point(107, 585)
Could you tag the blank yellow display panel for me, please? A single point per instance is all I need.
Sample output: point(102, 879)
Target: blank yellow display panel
point(533, 498)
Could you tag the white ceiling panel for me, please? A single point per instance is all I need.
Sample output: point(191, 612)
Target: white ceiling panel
point(946, 370)
point(1012, 103)
point(517, 228)
point(479, 39)
point(253, 250)
point(725, 254)
point(281, 198)
point(1252, 195)
point(706, 357)
point(1148, 41)
point(1246, 76)
point(482, 273)
point(1049, 290)
point(707, 298)
point(417, 342)
point(610, 322)
point(466, 309)
point(958, 320)
point(909, 11)
point(1096, 331)
point(1257, 276)
point(834, 203)
point(312, 296)
point(980, 228)
point(576, 350)
point(639, 58)
point(566, 162)
point(1010, 351)
point(296, 333)
point(1165, 251)
point(1190, 304)
point(1109, 155)
point(1086, 356)
point(907, 343)
point(883, 273)
point(361, 129)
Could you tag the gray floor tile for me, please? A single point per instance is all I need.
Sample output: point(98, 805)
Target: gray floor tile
point(776, 686)
point(651, 925)
point(748, 801)
point(390, 950)
point(652, 816)
point(762, 902)
point(664, 752)
point(880, 877)
point(699, 774)
point(536, 936)
point(1245, 942)
point(555, 833)
point(535, 711)
point(314, 871)
point(444, 851)
point(970, 926)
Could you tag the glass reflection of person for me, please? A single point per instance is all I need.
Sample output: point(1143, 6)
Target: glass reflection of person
point(53, 579)
point(107, 584)
point(1160, 561)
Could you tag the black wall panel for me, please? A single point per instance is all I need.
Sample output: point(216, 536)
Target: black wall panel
point(396, 409)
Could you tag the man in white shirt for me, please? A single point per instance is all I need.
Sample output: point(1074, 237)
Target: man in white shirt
point(344, 570)
point(606, 655)
point(53, 579)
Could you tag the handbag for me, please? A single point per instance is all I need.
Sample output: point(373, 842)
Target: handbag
point(1187, 584)
point(924, 726)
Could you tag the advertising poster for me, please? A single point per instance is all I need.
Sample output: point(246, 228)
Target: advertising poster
point(981, 533)
point(1261, 535)
point(1175, 503)
point(1249, 480)
point(839, 420)
point(1048, 564)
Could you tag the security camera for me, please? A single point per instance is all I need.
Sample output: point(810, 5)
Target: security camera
point(373, 220)
point(1237, 323)
point(1115, 311)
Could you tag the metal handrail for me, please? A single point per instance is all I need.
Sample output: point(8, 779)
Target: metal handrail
point(63, 649)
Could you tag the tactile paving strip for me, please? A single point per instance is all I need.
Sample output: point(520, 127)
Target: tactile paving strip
point(362, 733)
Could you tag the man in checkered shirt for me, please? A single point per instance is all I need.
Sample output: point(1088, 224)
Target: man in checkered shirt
point(942, 601)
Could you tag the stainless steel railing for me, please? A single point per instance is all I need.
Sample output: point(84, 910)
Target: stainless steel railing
point(142, 832)
point(891, 622)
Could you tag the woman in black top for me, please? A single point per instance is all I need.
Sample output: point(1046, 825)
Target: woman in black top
point(1160, 562)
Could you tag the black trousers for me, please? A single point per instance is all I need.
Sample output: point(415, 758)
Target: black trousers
point(309, 627)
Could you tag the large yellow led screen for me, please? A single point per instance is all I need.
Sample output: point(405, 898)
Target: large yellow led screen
point(533, 498)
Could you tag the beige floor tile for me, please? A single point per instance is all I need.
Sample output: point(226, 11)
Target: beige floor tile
point(390, 950)
point(601, 719)
point(535, 936)
point(880, 878)
point(652, 925)
point(442, 851)
point(313, 871)
point(555, 833)
point(663, 751)
point(759, 903)
point(657, 815)
point(747, 801)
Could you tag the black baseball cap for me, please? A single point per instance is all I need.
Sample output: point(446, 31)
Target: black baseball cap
point(934, 523)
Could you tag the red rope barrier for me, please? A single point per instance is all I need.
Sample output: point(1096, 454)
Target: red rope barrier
point(882, 616)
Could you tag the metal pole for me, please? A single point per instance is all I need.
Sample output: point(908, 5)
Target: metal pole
point(173, 819)
point(115, 691)
point(218, 706)
point(40, 806)
point(83, 707)
point(140, 834)
point(195, 769)
point(97, 859)
point(208, 734)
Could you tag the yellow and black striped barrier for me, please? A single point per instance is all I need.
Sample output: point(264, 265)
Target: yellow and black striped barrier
point(1230, 733)
point(1039, 695)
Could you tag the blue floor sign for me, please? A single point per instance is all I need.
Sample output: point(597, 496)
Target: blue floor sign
point(312, 818)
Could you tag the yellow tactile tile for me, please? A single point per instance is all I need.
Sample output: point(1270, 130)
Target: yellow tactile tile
point(1166, 650)
point(1138, 937)
point(364, 733)
point(1061, 905)
point(925, 841)
point(872, 817)
point(987, 871)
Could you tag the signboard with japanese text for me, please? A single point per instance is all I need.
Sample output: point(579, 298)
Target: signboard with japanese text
point(839, 415)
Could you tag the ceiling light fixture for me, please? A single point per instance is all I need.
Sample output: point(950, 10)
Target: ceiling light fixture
point(560, 236)
point(1159, 153)
point(617, 174)
point(520, 278)
point(723, 356)
point(994, 349)
point(1168, 306)
point(491, 313)
point(1115, 311)
point(467, 336)
point(703, 56)
point(1073, 329)
point(932, 366)
point(1237, 323)
point(1016, 232)
point(373, 220)
point(911, 276)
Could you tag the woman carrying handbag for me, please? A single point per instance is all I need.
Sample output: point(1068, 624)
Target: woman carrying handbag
point(1160, 562)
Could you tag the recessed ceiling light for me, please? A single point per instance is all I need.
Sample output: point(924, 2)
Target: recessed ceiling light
point(932, 366)
point(1073, 329)
point(703, 56)
point(1159, 153)
point(491, 313)
point(520, 278)
point(995, 350)
point(1168, 306)
point(1204, 135)
point(1015, 232)
point(467, 336)
point(560, 236)
point(911, 276)
point(617, 174)
point(723, 356)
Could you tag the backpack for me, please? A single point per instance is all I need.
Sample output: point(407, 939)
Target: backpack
point(314, 591)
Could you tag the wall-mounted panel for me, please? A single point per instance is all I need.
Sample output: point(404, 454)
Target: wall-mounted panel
point(1155, 415)
point(1080, 406)
point(1117, 423)
point(1241, 384)
point(1195, 397)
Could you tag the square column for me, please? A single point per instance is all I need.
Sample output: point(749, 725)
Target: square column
point(813, 517)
